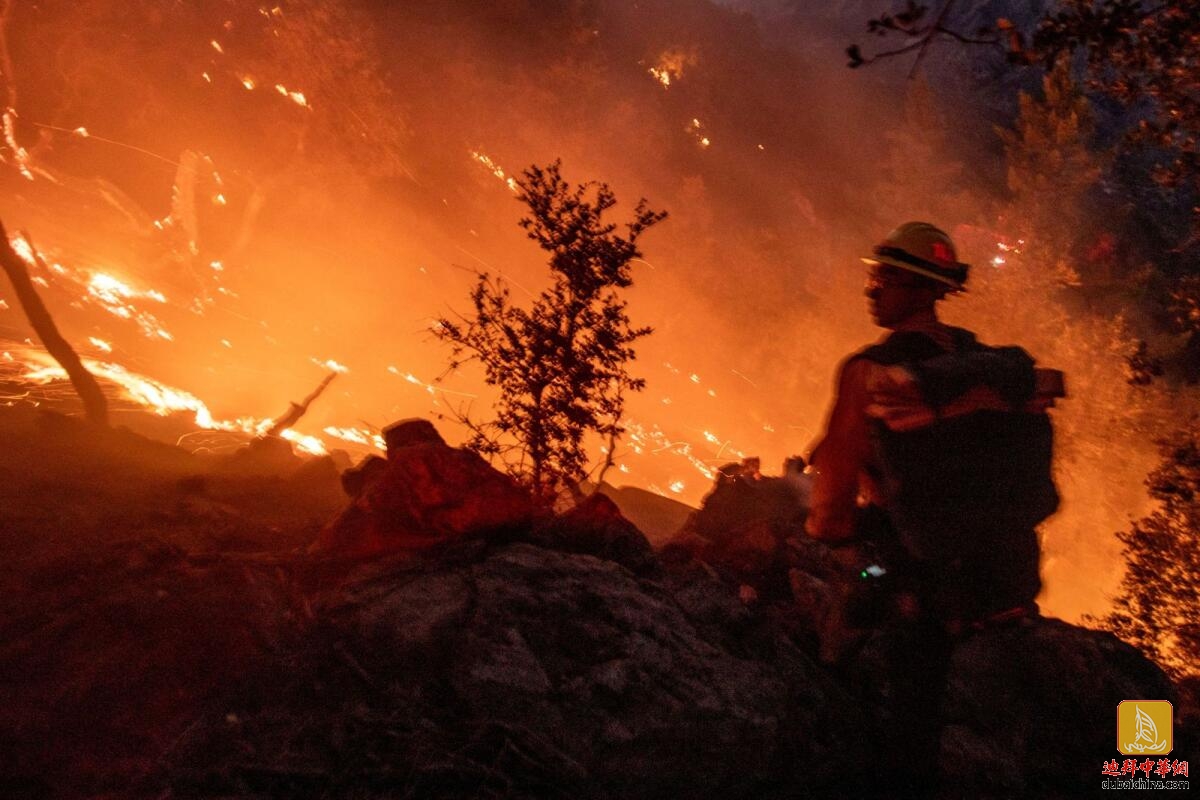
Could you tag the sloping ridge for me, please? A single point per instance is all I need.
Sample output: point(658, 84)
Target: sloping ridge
point(560, 657)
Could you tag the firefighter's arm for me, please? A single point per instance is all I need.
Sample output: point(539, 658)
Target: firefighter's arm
point(840, 457)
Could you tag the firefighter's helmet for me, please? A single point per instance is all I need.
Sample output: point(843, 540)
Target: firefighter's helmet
point(925, 250)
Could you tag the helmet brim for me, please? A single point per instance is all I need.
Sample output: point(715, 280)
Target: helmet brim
point(876, 260)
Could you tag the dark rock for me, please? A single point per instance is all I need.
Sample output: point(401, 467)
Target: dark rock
point(408, 432)
point(265, 455)
point(612, 679)
point(1045, 688)
point(506, 671)
point(597, 527)
point(317, 475)
point(1026, 709)
point(357, 478)
point(658, 517)
point(742, 526)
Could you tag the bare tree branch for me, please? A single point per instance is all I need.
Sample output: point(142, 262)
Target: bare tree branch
point(298, 410)
point(95, 406)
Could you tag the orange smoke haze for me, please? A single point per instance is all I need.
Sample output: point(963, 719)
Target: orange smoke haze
point(234, 206)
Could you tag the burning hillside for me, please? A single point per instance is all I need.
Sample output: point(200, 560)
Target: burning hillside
point(229, 202)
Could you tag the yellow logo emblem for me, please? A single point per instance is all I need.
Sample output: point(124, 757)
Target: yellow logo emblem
point(1145, 727)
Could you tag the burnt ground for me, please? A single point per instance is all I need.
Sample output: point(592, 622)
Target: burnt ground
point(66, 487)
point(165, 633)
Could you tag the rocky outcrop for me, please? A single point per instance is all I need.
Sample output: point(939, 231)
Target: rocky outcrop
point(597, 527)
point(558, 658)
point(656, 516)
point(744, 526)
point(506, 670)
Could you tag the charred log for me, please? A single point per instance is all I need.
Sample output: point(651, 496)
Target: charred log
point(94, 404)
point(298, 410)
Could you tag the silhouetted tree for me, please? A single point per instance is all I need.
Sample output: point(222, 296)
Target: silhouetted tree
point(1159, 604)
point(561, 365)
point(1141, 54)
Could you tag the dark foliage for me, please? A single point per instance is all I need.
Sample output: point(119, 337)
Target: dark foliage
point(1140, 54)
point(561, 366)
point(1142, 367)
point(1160, 594)
point(911, 23)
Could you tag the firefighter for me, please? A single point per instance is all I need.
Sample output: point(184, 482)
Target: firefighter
point(935, 461)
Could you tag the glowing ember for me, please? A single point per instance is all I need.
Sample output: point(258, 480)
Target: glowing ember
point(296, 97)
point(330, 365)
point(100, 344)
point(511, 183)
point(653, 441)
point(216, 46)
point(670, 66)
point(357, 436)
point(1002, 249)
point(22, 248)
point(428, 387)
point(18, 154)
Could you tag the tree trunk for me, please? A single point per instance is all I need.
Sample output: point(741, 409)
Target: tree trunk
point(298, 410)
point(94, 404)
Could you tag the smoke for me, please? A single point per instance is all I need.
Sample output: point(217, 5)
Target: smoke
point(349, 172)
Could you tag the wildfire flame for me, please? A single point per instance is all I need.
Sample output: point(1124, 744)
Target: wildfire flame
point(671, 65)
point(113, 295)
point(40, 369)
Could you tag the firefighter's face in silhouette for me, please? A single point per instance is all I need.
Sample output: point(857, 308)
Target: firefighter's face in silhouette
point(896, 294)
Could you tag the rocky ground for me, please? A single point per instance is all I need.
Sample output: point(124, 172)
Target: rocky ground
point(257, 626)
